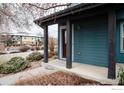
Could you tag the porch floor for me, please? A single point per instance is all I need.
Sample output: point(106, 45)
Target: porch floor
point(84, 70)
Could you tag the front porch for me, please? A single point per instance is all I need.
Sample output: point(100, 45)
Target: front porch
point(92, 41)
point(96, 73)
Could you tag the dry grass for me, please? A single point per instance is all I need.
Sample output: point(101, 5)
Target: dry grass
point(57, 78)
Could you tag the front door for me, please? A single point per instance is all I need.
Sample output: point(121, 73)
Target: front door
point(64, 43)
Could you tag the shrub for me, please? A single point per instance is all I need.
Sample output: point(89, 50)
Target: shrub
point(35, 56)
point(24, 48)
point(15, 64)
point(121, 76)
point(42, 47)
point(52, 44)
point(56, 52)
point(32, 49)
point(37, 48)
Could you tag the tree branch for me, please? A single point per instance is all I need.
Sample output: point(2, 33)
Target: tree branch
point(4, 13)
point(49, 7)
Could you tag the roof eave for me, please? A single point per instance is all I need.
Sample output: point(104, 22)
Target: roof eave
point(66, 12)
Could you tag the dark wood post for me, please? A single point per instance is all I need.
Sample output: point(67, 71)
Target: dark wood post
point(21, 40)
point(69, 45)
point(45, 44)
point(111, 36)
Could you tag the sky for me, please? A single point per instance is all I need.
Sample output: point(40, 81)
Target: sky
point(37, 30)
point(53, 30)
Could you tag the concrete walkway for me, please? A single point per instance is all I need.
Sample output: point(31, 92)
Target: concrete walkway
point(86, 71)
point(9, 80)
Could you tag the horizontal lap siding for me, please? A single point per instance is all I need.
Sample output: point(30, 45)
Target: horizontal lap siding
point(120, 19)
point(91, 42)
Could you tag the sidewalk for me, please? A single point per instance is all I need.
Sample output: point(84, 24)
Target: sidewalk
point(9, 80)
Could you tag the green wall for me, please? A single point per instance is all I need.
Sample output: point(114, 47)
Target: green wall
point(91, 41)
point(120, 19)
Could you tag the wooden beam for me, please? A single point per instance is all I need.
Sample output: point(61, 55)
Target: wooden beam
point(46, 44)
point(111, 33)
point(69, 45)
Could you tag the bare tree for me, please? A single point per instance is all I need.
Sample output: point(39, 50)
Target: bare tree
point(21, 15)
point(52, 43)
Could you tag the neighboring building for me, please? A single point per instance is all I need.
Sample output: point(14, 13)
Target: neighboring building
point(26, 38)
point(89, 34)
point(31, 40)
point(19, 39)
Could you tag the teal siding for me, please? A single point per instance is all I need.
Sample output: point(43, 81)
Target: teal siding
point(119, 56)
point(120, 19)
point(91, 41)
point(120, 14)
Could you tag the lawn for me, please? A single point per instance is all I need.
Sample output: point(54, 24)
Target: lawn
point(57, 78)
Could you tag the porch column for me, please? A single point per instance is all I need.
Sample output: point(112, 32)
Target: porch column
point(20, 40)
point(45, 44)
point(69, 45)
point(111, 35)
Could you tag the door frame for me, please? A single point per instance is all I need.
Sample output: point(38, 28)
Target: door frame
point(60, 42)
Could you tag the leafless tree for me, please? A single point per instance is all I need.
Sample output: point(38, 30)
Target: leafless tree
point(52, 44)
point(21, 15)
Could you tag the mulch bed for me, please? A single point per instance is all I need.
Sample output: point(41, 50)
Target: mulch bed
point(57, 78)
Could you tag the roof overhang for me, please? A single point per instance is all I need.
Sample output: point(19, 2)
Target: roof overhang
point(66, 12)
point(52, 19)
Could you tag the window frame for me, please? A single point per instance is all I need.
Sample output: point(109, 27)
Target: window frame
point(121, 38)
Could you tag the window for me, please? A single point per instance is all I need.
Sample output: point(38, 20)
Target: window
point(122, 38)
